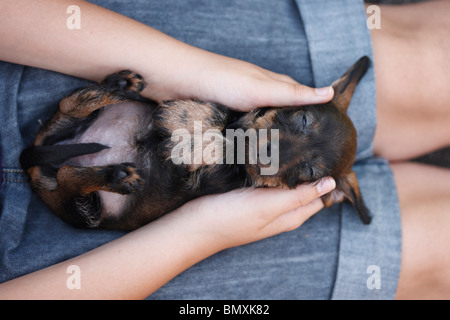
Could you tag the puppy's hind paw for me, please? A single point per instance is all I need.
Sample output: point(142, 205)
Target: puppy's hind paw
point(126, 178)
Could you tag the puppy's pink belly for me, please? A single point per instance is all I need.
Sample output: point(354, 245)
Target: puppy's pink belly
point(112, 203)
point(116, 127)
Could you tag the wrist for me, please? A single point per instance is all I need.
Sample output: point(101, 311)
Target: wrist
point(183, 237)
point(169, 77)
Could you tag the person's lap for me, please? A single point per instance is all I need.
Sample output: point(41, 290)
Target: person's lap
point(424, 201)
point(317, 261)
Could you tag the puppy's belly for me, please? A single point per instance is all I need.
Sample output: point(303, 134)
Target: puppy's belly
point(112, 203)
point(116, 127)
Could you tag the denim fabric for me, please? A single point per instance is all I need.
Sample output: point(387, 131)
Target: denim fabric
point(326, 258)
point(31, 237)
point(1, 170)
point(337, 36)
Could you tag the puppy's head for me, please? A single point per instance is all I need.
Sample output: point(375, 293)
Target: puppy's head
point(313, 142)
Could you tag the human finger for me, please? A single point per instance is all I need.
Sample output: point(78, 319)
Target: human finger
point(277, 202)
point(289, 93)
point(293, 219)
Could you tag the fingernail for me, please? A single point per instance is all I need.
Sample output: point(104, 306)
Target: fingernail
point(326, 185)
point(324, 91)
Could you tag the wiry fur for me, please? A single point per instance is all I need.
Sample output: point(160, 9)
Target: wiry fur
point(104, 159)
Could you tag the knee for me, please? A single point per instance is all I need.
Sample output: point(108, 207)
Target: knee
point(423, 195)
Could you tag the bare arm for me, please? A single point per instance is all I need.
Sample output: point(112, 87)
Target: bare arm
point(108, 42)
point(137, 264)
point(140, 262)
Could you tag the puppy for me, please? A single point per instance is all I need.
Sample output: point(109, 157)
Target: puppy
point(109, 158)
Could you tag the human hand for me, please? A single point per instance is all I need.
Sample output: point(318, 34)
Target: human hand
point(235, 83)
point(247, 215)
point(172, 69)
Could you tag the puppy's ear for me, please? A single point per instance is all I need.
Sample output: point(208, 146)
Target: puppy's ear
point(347, 189)
point(345, 85)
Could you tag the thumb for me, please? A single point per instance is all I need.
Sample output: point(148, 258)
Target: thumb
point(292, 93)
point(279, 201)
point(301, 206)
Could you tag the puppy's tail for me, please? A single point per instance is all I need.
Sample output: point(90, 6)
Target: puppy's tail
point(55, 155)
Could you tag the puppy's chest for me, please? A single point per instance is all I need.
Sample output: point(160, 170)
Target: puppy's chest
point(117, 126)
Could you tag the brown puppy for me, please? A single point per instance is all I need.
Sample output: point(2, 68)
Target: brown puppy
point(111, 159)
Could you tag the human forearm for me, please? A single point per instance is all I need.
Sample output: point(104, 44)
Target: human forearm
point(131, 267)
point(35, 33)
point(108, 42)
point(134, 266)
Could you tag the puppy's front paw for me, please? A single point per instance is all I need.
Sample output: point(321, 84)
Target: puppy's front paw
point(125, 80)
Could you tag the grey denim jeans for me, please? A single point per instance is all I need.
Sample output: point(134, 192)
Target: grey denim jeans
point(332, 256)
